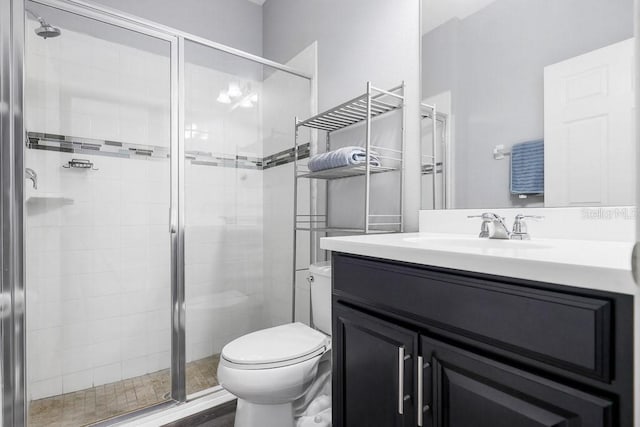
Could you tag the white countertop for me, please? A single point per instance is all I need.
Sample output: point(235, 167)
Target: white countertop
point(599, 265)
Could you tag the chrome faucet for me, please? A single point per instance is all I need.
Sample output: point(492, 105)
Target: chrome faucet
point(493, 226)
point(33, 176)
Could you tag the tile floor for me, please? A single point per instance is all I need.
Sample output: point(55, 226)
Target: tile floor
point(88, 406)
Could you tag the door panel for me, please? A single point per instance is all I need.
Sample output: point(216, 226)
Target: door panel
point(469, 390)
point(368, 359)
point(588, 128)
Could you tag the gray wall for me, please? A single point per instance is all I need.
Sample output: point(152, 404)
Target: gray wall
point(493, 63)
point(358, 40)
point(235, 23)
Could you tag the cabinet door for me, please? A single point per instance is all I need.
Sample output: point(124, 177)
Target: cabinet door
point(469, 390)
point(373, 368)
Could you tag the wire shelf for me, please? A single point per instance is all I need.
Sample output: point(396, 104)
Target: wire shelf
point(354, 111)
point(346, 172)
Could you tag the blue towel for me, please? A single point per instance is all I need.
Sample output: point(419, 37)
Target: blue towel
point(345, 156)
point(527, 168)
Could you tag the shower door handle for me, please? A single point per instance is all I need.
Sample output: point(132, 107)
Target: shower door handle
point(5, 304)
point(172, 223)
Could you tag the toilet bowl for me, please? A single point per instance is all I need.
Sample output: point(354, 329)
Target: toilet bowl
point(268, 370)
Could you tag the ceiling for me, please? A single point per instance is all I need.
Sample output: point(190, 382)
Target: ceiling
point(437, 12)
point(258, 2)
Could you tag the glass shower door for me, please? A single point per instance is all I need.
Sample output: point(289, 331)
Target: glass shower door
point(98, 99)
point(238, 139)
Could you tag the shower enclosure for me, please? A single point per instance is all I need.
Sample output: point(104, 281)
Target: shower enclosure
point(435, 164)
point(140, 241)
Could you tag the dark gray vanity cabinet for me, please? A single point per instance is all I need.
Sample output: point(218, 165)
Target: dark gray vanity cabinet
point(417, 345)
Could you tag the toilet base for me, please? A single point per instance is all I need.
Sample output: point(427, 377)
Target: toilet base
point(251, 415)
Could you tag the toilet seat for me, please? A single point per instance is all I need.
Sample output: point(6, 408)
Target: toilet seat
point(275, 347)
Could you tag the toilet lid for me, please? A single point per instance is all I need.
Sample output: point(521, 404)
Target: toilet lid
point(275, 345)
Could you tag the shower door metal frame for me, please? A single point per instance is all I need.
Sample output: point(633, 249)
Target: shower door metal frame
point(12, 130)
point(12, 139)
point(175, 228)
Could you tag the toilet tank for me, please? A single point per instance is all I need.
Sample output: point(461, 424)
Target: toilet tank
point(320, 280)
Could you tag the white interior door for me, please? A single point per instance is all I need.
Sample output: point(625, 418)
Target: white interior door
point(589, 128)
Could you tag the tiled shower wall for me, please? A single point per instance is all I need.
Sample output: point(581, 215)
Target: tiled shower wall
point(98, 272)
point(98, 257)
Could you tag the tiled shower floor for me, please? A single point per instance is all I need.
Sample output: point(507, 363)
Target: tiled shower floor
point(98, 403)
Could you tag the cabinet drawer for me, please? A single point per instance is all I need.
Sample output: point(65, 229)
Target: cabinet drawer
point(564, 330)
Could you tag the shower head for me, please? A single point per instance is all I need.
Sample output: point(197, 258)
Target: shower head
point(44, 30)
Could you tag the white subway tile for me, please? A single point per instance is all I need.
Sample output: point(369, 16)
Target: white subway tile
point(134, 278)
point(77, 381)
point(46, 340)
point(75, 286)
point(73, 262)
point(135, 235)
point(74, 311)
point(134, 347)
point(76, 336)
point(134, 367)
point(45, 365)
point(133, 325)
point(105, 237)
point(103, 307)
point(104, 330)
point(105, 353)
point(159, 361)
point(76, 360)
point(107, 374)
point(45, 388)
point(106, 265)
point(134, 213)
point(133, 302)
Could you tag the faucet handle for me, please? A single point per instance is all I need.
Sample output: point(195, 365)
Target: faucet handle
point(484, 228)
point(520, 217)
point(519, 231)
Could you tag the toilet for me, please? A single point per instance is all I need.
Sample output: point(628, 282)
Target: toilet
point(270, 369)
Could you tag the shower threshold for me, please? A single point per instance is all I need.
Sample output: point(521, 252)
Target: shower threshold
point(85, 407)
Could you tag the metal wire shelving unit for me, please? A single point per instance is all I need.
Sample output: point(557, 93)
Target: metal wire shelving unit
point(361, 110)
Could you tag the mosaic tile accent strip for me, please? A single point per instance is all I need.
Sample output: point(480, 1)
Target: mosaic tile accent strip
point(68, 144)
point(237, 162)
point(286, 156)
point(76, 145)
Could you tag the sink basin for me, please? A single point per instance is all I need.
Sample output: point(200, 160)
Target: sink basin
point(476, 243)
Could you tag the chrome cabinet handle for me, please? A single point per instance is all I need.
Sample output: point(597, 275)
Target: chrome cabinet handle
point(422, 408)
point(401, 396)
point(401, 380)
point(420, 385)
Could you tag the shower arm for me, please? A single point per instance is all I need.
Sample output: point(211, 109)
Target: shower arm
point(39, 18)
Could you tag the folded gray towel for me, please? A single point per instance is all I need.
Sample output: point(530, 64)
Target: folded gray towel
point(345, 156)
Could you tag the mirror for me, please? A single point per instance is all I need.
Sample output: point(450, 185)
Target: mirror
point(532, 103)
